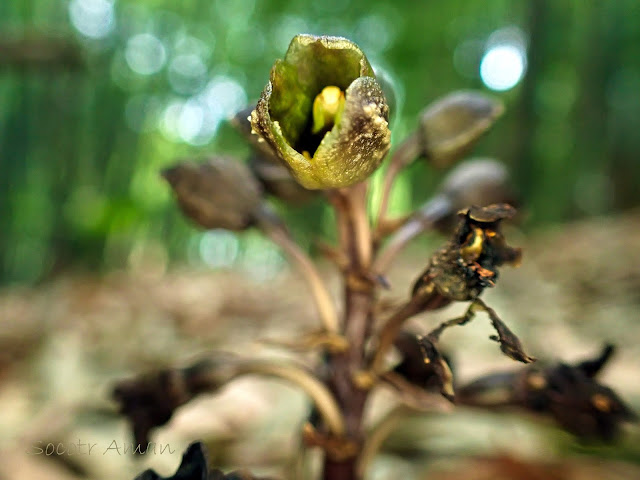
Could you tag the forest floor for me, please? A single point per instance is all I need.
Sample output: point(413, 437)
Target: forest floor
point(64, 344)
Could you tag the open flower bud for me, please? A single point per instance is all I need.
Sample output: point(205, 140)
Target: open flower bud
point(452, 125)
point(469, 262)
point(324, 113)
point(221, 193)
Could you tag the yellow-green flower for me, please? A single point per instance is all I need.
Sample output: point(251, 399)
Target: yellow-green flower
point(324, 113)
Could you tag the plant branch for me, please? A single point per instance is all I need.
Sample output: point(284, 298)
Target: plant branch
point(150, 400)
point(403, 156)
point(324, 401)
point(356, 250)
point(421, 221)
point(354, 205)
point(509, 343)
point(391, 328)
point(378, 434)
point(280, 236)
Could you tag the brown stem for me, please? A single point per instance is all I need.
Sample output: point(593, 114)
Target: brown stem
point(355, 236)
point(403, 156)
point(150, 400)
point(421, 221)
point(392, 326)
point(323, 400)
point(389, 332)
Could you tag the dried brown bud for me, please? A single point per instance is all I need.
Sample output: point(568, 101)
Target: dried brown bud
point(469, 262)
point(220, 193)
point(432, 374)
point(576, 401)
point(568, 393)
point(149, 401)
point(479, 181)
point(452, 125)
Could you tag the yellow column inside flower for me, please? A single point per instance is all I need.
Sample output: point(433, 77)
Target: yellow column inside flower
point(327, 109)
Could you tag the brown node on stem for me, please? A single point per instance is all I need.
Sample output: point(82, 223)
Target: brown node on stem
point(338, 449)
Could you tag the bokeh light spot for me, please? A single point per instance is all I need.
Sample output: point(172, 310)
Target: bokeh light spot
point(187, 74)
point(145, 54)
point(92, 18)
point(502, 67)
point(219, 248)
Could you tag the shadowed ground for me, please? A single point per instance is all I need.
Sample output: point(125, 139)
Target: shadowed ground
point(63, 344)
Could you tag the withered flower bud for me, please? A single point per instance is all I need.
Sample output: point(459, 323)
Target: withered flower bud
point(220, 193)
point(576, 401)
point(324, 113)
point(469, 262)
point(423, 365)
point(568, 393)
point(452, 125)
point(150, 401)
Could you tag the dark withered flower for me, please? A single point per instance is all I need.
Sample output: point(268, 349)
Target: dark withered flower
point(324, 113)
point(576, 401)
point(150, 400)
point(194, 466)
point(452, 125)
point(469, 262)
point(570, 394)
point(219, 193)
point(423, 365)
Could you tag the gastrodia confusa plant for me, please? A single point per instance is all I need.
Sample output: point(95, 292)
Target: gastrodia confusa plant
point(324, 113)
point(319, 130)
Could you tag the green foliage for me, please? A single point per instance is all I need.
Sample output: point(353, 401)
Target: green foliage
point(83, 135)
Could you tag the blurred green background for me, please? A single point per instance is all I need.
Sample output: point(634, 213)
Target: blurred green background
point(96, 96)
